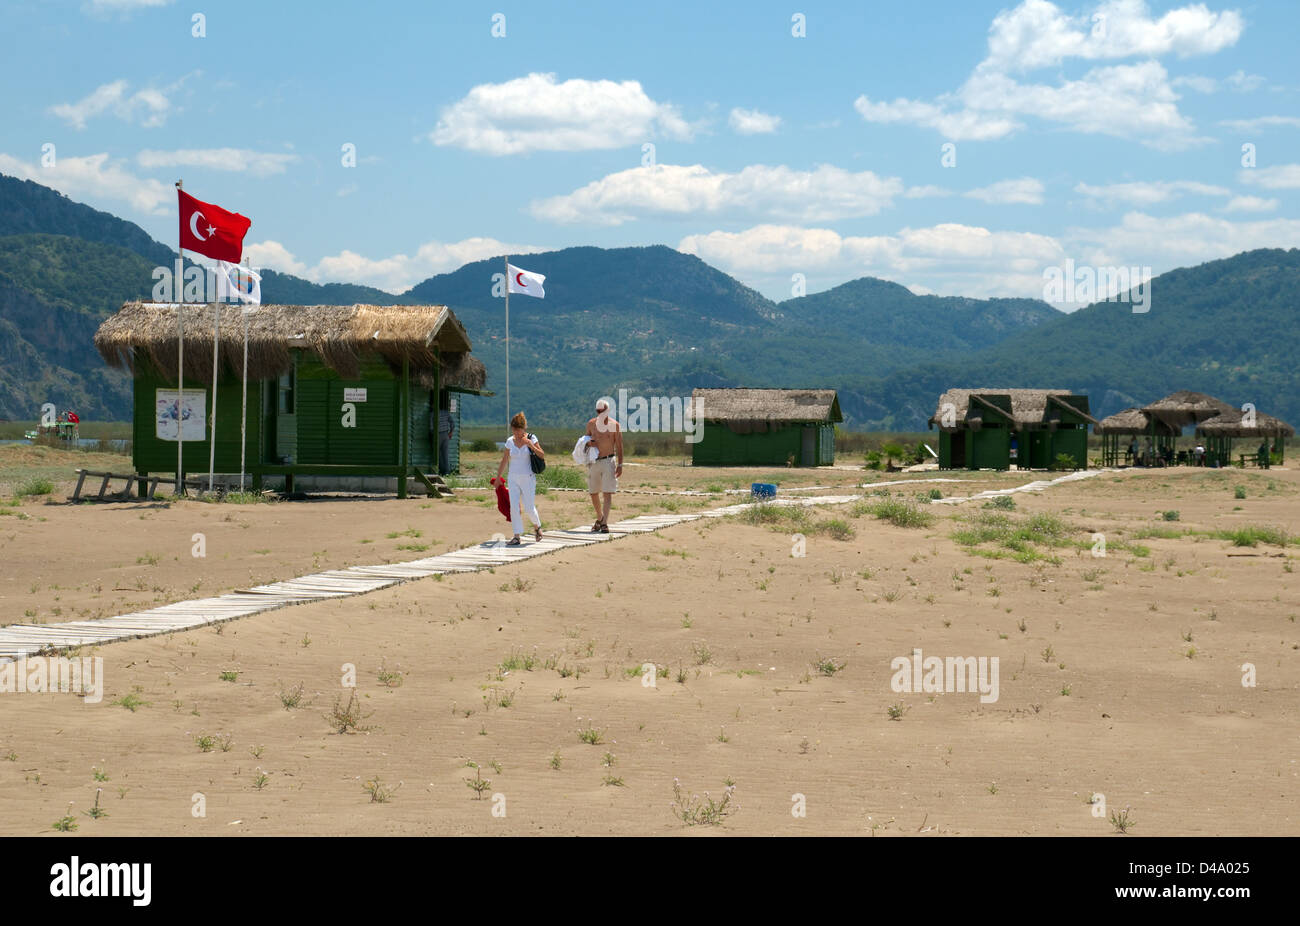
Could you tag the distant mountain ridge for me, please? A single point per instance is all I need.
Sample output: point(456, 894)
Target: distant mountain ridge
point(659, 322)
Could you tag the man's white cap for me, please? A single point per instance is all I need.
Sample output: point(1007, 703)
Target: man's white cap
point(601, 405)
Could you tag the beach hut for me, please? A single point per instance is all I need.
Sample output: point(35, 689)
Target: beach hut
point(1130, 423)
point(338, 396)
point(1254, 427)
point(766, 427)
point(980, 428)
point(1180, 410)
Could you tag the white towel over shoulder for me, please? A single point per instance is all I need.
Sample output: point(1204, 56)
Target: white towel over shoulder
point(584, 453)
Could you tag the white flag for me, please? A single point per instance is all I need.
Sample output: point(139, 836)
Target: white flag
point(526, 282)
point(236, 283)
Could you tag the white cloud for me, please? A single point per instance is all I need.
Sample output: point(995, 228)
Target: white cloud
point(1026, 190)
point(96, 178)
point(241, 160)
point(149, 107)
point(1279, 177)
point(752, 122)
point(676, 190)
point(396, 273)
point(104, 7)
point(948, 258)
point(1238, 81)
point(1146, 192)
point(1178, 241)
point(535, 113)
point(1243, 82)
point(1250, 204)
point(1124, 100)
point(274, 256)
point(1261, 122)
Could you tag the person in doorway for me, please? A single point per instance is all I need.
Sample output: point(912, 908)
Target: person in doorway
point(520, 446)
point(1264, 460)
point(602, 476)
point(446, 428)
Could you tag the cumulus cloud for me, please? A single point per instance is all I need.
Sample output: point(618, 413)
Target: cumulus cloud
point(537, 113)
point(947, 258)
point(96, 178)
point(240, 160)
point(677, 190)
point(1124, 100)
point(1146, 192)
point(1261, 122)
point(148, 107)
point(1278, 177)
point(1026, 190)
point(752, 122)
point(1179, 241)
point(1250, 204)
point(395, 273)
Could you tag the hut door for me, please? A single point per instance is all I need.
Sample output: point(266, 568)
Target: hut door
point(809, 448)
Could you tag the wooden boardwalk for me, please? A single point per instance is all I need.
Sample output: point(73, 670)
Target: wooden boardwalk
point(18, 640)
point(27, 639)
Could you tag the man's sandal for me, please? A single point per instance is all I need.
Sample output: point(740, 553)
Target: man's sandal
point(537, 533)
point(514, 542)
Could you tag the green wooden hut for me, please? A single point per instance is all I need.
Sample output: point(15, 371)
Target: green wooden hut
point(334, 392)
point(979, 428)
point(766, 427)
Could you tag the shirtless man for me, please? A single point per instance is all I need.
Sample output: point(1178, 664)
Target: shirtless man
point(602, 476)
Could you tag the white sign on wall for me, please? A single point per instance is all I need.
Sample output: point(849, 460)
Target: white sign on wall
point(354, 395)
point(192, 413)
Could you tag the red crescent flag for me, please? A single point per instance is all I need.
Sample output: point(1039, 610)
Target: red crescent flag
point(210, 230)
point(525, 282)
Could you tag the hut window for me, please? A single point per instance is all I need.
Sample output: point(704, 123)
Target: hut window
point(285, 391)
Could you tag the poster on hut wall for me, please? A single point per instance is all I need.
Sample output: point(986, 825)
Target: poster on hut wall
point(192, 414)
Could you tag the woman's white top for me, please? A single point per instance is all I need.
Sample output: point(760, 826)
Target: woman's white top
point(520, 465)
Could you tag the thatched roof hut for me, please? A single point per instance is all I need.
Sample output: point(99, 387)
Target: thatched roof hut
point(1022, 408)
point(1133, 421)
point(338, 334)
point(1179, 409)
point(742, 406)
point(1233, 424)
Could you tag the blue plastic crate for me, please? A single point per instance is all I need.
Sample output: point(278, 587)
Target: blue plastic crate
point(763, 489)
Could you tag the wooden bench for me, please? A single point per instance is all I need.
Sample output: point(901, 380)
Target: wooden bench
point(1244, 458)
point(107, 477)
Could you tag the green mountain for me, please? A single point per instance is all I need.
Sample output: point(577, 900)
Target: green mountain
point(655, 321)
point(1227, 327)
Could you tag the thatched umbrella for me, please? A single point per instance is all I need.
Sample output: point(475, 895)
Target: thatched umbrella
point(338, 334)
point(1236, 424)
point(1130, 421)
point(1179, 409)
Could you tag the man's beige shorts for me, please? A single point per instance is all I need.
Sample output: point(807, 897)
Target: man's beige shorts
point(600, 476)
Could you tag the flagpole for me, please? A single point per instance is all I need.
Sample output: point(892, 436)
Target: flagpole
point(243, 423)
point(212, 421)
point(180, 363)
point(508, 412)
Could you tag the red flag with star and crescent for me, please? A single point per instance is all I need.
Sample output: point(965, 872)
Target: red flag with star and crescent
point(212, 231)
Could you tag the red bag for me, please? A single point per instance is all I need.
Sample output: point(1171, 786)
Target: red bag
point(503, 497)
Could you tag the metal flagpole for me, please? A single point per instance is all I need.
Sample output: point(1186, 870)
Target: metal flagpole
point(508, 412)
point(180, 362)
point(243, 423)
point(212, 421)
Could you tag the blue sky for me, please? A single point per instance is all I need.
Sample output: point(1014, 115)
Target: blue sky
point(1106, 133)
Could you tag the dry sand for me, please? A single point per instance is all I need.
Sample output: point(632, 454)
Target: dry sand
point(1152, 720)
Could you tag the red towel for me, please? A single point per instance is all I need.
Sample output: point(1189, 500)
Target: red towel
point(503, 497)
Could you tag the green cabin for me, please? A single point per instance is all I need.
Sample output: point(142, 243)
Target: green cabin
point(999, 428)
point(766, 427)
point(358, 397)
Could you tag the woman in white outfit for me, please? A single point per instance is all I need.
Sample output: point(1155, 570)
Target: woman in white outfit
point(523, 481)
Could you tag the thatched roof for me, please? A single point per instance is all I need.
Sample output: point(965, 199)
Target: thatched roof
point(1025, 408)
point(768, 406)
point(1133, 421)
point(1179, 409)
point(340, 335)
point(1232, 424)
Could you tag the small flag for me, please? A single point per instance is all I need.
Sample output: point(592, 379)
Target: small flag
point(525, 282)
point(210, 230)
point(238, 284)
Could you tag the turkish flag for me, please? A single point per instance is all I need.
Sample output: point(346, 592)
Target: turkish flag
point(212, 231)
